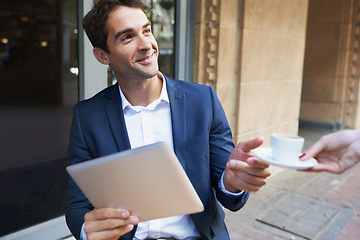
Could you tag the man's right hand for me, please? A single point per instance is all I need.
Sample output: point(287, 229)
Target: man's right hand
point(108, 223)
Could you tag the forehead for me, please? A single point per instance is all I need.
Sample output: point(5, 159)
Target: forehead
point(123, 18)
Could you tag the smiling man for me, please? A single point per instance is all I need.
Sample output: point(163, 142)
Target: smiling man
point(146, 107)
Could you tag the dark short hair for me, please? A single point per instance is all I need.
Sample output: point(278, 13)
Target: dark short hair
point(95, 20)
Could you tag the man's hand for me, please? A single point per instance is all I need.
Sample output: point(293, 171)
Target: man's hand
point(108, 223)
point(244, 171)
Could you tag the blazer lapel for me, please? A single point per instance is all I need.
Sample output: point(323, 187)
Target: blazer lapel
point(178, 119)
point(116, 119)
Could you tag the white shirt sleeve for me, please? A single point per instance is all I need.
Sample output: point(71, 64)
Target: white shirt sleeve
point(82, 233)
point(222, 188)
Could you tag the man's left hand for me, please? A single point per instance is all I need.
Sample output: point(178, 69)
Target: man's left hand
point(243, 170)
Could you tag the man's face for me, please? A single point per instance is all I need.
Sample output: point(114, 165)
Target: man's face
point(133, 48)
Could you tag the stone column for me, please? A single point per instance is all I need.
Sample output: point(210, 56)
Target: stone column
point(330, 96)
point(352, 96)
point(215, 50)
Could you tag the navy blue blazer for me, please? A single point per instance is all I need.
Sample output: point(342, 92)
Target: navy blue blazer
point(202, 142)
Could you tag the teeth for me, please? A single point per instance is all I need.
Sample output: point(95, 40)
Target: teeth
point(146, 57)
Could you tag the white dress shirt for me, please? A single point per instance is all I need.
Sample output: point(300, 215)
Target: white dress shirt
point(147, 125)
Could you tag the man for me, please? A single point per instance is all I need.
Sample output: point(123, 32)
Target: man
point(146, 107)
point(335, 152)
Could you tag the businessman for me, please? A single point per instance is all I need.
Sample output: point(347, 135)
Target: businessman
point(145, 107)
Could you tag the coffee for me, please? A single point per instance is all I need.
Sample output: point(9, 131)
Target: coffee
point(287, 136)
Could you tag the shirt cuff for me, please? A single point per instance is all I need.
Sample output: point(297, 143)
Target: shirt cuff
point(222, 188)
point(82, 233)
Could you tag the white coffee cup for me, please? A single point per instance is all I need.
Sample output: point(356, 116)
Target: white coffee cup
point(286, 147)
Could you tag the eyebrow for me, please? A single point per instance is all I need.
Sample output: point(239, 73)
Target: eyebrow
point(128, 30)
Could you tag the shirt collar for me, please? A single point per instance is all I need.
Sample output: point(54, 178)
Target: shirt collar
point(163, 97)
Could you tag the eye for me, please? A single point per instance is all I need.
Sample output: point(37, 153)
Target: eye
point(126, 37)
point(147, 30)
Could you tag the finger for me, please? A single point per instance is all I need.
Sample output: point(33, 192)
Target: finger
point(247, 187)
point(257, 163)
point(106, 213)
point(253, 167)
point(248, 183)
point(252, 144)
point(111, 234)
point(314, 150)
point(102, 225)
point(250, 175)
point(252, 179)
point(320, 167)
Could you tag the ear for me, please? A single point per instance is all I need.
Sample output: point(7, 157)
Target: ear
point(101, 56)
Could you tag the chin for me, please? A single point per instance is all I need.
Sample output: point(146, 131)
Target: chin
point(153, 72)
point(147, 75)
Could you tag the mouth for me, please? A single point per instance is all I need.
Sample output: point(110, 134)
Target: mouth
point(147, 58)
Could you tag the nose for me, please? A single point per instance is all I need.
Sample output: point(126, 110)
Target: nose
point(145, 43)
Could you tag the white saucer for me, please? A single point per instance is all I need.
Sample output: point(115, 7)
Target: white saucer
point(265, 154)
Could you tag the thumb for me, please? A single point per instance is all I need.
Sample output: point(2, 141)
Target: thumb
point(252, 144)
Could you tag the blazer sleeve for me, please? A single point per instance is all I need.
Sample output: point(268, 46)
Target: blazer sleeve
point(77, 203)
point(221, 145)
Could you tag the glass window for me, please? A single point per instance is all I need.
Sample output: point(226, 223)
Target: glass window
point(162, 17)
point(38, 88)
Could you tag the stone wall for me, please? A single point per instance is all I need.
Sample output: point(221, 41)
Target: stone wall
point(252, 53)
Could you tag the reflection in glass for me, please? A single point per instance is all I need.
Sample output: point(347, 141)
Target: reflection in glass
point(162, 17)
point(38, 87)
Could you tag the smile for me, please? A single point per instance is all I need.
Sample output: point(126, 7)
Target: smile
point(147, 59)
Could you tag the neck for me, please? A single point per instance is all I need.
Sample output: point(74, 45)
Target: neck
point(141, 92)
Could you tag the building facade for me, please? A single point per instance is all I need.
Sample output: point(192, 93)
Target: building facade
point(252, 53)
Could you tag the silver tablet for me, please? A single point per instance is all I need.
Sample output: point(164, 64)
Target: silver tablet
point(149, 181)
